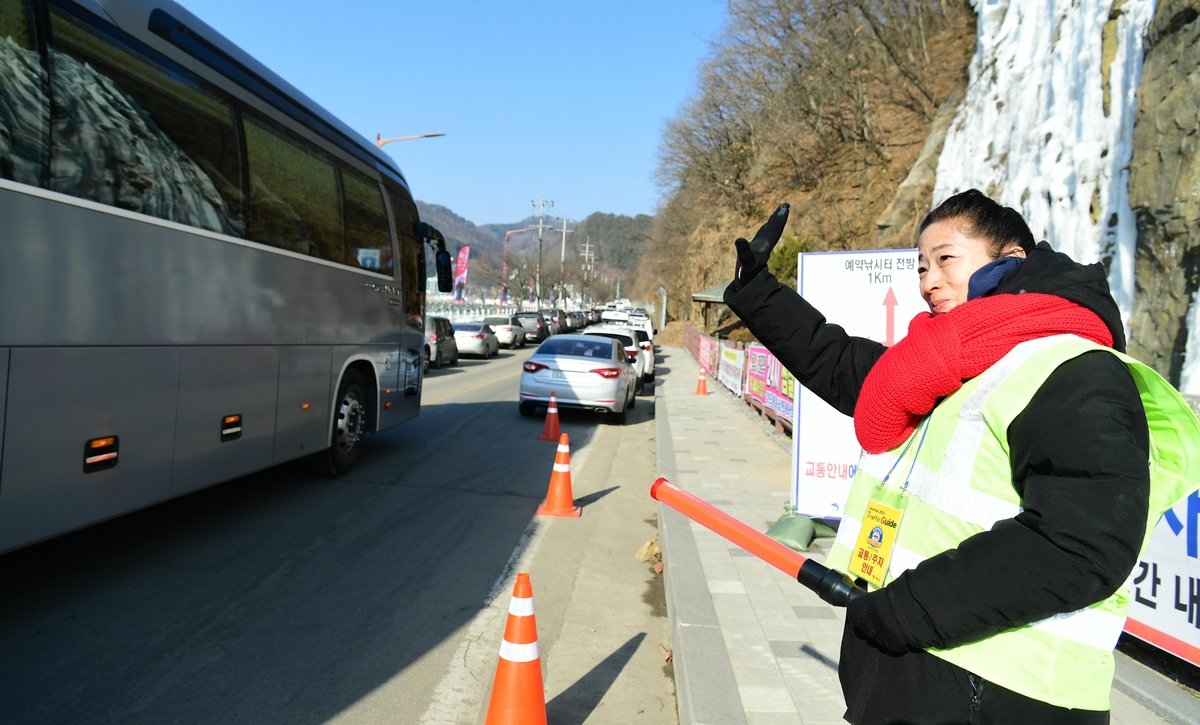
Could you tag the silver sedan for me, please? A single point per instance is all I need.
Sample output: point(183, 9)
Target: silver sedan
point(583, 371)
point(475, 338)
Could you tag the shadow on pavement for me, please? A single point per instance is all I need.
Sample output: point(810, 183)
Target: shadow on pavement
point(573, 705)
point(280, 597)
point(594, 497)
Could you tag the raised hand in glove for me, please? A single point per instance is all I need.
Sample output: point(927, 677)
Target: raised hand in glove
point(873, 615)
point(753, 255)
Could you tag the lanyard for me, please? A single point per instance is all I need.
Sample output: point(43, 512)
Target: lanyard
point(924, 426)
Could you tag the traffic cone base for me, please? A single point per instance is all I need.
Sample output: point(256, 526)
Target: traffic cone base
point(550, 431)
point(559, 499)
point(518, 696)
point(702, 386)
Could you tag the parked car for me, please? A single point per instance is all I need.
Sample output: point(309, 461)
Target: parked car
point(536, 326)
point(440, 346)
point(634, 353)
point(557, 320)
point(583, 371)
point(509, 331)
point(581, 320)
point(647, 345)
point(476, 338)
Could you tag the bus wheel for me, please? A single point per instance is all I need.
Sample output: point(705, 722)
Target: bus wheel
point(349, 426)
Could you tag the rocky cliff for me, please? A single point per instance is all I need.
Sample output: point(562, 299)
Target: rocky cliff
point(1164, 193)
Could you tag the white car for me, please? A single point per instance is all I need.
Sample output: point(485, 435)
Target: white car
point(476, 338)
point(588, 372)
point(509, 331)
point(634, 352)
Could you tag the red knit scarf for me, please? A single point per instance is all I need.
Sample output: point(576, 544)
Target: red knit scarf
point(942, 352)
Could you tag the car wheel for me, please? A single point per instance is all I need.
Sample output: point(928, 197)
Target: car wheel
point(425, 363)
point(637, 388)
point(632, 402)
point(650, 379)
point(527, 409)
point(619, 418)
point(437, 364)
point(349, 427)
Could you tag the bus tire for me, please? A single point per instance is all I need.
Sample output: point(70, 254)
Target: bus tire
point(349, 426)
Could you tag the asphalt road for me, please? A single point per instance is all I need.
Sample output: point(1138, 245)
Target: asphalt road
point(285, 597)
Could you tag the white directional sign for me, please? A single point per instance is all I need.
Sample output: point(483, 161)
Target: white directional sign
point(871, 294)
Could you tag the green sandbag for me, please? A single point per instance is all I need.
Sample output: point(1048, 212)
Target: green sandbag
point(796, 531)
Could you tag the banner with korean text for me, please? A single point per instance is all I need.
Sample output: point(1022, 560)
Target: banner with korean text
point(732, 362)
point(871, 294)
point(768, 382)
point(1165, 584)
point(707, 354)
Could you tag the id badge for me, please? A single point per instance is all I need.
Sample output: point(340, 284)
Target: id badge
point(873, 550)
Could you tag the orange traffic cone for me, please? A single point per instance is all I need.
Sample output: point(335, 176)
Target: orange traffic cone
point(702, 386)
point(517, 695)
point(550, 431)
point(559, 500)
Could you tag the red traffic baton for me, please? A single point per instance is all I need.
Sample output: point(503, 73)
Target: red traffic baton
point(831, 586)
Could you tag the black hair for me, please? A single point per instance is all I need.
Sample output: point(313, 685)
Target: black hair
point(1001, 227)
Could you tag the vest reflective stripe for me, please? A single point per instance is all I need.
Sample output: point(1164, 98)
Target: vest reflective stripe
point(951, 494)
point(961, 484)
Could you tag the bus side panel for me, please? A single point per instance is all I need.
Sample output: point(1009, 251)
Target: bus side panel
point(303, 381)
point(215, 382)
point(65, 397)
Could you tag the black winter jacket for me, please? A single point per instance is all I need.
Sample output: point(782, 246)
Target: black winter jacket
point(1079, 454)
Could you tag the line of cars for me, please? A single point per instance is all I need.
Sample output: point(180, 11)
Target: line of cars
point(603, 369)
point(446, 341)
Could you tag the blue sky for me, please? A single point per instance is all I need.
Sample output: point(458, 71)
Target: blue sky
point(569, 97)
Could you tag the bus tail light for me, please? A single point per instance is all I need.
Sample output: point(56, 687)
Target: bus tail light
point(231, 428)
point(100, 453)
point(608, 373)
point(532, 367)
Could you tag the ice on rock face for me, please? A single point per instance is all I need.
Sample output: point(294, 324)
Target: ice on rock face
point(1033, 131)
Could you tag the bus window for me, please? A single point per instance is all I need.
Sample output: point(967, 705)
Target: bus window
point(294, 201)
point(134, 130)
point(414, 281)
point(368, 238)
point(22, 100)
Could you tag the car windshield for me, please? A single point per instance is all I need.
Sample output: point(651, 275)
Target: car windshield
point(468, 327)
point(577, 348)
point(497, 321)
point(625, 340)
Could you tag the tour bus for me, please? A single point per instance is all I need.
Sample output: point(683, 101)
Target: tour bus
point(202, 272)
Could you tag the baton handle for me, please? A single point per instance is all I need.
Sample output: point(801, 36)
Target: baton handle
point(831, 586)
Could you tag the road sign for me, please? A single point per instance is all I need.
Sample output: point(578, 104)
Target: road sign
point(871, 294)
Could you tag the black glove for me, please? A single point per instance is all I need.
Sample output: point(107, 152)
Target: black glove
point(872, 615)
point(752, 256)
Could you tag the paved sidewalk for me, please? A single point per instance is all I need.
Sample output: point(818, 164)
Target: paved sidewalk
point(751, 645)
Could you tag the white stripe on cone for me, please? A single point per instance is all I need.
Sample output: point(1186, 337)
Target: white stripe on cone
point(562, 468)
point(518, 652)
point(521, 607)
point(564, 449)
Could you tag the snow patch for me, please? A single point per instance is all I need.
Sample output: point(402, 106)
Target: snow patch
point(1032, 131)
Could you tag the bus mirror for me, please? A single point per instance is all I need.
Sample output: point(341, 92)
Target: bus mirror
point(445, 272)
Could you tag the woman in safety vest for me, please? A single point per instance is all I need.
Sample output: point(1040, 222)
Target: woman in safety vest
point(1014, 462)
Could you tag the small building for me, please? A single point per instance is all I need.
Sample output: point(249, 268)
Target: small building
point(708, 307)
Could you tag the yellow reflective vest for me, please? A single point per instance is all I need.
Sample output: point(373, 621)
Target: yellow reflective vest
point(957, 482)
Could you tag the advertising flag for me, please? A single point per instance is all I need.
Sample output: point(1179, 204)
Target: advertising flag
point(460, 275)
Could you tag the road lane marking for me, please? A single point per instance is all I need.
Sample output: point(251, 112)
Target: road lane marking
point(473, 387)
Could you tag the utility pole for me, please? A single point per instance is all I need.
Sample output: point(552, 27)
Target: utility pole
point(562, 260)
point(541, 227)
point(588, 265)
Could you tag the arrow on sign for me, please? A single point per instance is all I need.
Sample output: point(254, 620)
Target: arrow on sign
point(890, 302)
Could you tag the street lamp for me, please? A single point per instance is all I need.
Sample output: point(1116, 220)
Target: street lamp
point(381, 141)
